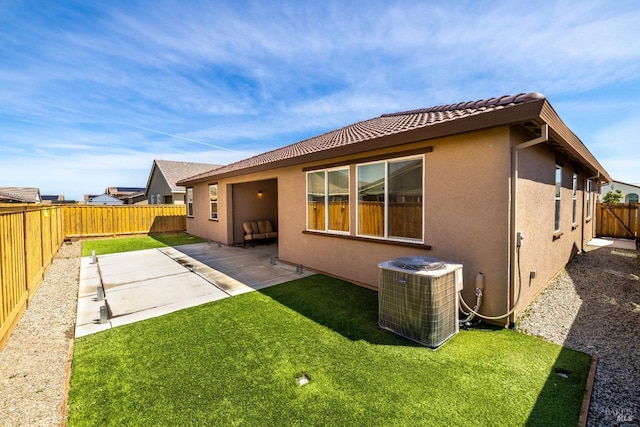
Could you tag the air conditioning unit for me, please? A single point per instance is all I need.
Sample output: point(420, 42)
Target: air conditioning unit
point(418, 299)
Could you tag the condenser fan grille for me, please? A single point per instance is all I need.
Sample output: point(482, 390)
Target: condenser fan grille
point(419, 263)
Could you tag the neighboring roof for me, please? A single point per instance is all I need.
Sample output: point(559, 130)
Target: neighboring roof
point(123, 191)
point(104, 199)
point(389, 130)
point(53, 197)
point(20, 194)
point(625, 183)
point(174, 171)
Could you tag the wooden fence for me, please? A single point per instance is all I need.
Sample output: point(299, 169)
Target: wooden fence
point(618, 220)
point(29, 239)
point(405, 219)
point(94, 221)
point(30, 236)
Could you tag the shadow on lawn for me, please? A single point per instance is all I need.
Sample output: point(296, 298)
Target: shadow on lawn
point(349, 310)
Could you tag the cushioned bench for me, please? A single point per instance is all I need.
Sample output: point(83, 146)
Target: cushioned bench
point(258, 230)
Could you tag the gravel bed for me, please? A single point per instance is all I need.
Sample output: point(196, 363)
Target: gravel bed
point(34, 361)
point(594, 306)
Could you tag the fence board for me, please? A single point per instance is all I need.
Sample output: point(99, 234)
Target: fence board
point(96, 221)
point(618, 220)
point(30, 236)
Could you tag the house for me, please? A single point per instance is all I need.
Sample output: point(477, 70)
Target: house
point(501, 186)
point(104, 199)
point(128, 195)
point(630, 192)
point(53, 198)
point(20, 195)
point(161, 185)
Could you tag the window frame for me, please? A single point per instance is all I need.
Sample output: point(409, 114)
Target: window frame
point(386, 236)
point(189, 200)
point(326, 196)
point(558, 199)
point(574, 198)
point(587, 186)
point(212, 203)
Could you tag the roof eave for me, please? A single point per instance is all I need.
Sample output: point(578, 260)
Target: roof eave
point(500, 117)
point(570, 143)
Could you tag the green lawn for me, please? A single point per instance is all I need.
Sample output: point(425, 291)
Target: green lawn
point(237, 361)
point(126, 244)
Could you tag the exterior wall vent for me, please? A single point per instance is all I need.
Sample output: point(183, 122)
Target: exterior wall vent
point(418, 299)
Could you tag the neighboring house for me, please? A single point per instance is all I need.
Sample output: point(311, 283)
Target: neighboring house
point(20, 195)
point(53, 199)
point(161, 185)
point(630, 192)
point(128, 195)
point(501, 186)
point(104, 199)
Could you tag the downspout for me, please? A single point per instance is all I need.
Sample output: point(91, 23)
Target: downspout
point(544, 137)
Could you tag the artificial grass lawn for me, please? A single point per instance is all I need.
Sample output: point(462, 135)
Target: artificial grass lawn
point(126, 244)
point(236, 362)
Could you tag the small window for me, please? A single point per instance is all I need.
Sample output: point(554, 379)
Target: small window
point(558, 197)
point(189, 201)
point(632, 198)
point(152, 201)
point(574, 218)
point(159, 199)
point(213, 201)
point(588, 195)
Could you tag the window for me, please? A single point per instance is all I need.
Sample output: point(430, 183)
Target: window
point(390, 195)
point(328, 200)
point(190, 201)
point(558, 193)
point(574, 218)
point(152, 200)
point(588, 195)
point(632, 198)
point(213, 201)
point(159, 199)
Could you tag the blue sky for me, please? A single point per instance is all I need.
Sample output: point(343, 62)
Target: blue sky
point(91, 92)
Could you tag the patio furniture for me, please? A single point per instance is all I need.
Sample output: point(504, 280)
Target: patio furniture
point(258, 230)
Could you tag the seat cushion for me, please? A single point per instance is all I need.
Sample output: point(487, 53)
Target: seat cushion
point(265, 226)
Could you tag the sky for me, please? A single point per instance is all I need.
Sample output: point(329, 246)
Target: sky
point(91, 92)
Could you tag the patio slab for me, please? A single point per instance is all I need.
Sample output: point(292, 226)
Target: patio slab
point(143, 284)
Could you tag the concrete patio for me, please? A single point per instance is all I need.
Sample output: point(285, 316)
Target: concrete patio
point(144, 284)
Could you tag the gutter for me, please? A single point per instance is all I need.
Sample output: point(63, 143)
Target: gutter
point(513, 233)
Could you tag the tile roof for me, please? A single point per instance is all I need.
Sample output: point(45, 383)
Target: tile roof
point(403, 125)
point(20, 194)
point(174, 171)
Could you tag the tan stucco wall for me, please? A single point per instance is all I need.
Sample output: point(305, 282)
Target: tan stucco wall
point(466, 210)
point(544, 251)
point(466, 216)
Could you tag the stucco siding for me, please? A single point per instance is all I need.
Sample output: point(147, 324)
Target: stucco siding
point(544, 250)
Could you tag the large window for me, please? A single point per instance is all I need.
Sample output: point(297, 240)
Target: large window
point(213, 201)
point(328, 200)
point(558, 197)
point(574, 218)
point(190, 201)
point(390, 196)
